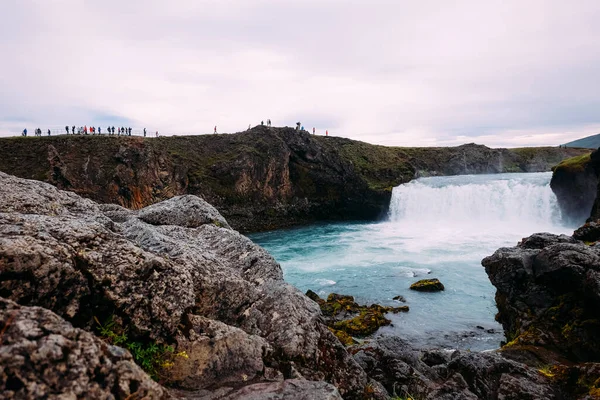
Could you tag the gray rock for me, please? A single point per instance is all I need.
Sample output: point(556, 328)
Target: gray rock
point(42, 356)
point(292, 389)
point(436, 374)
point(188, 211)
point(217, 353)
point(164, 281)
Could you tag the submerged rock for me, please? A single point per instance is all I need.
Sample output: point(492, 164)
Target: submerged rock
point(427, 285)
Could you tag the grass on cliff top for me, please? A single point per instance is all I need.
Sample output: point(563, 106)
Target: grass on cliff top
point(574, 164)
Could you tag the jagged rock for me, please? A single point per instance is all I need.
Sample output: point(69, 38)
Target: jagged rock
point(154, 280)
point(427, 285)
point(435, 374)
point(589, 232)
point(548, 294)
point(42, 356)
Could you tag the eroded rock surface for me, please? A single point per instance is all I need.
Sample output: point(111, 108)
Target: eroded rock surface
point(174, 273)
point(42, 356)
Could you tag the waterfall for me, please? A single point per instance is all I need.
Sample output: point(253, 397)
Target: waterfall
point(523, 200)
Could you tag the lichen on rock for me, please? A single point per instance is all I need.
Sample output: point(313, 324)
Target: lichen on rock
point(427, 285)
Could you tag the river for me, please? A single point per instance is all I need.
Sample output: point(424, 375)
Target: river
point(438, 227)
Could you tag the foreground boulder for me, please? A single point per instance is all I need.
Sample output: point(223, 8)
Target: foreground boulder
point(173, 274)
point(41, 355)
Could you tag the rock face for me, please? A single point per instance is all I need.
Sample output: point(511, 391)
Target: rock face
point(450, 375)
point(264, 178)
point(42, 355)
point(575, 183)
point(548, 294)
point(173, 273)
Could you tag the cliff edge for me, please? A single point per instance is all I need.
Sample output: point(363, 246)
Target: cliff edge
point(261, 179)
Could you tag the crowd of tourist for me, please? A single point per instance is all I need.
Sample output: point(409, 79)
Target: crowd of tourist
point(126, 131)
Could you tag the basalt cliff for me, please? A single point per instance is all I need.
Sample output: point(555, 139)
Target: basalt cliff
point(168, 301)
point(261, 179)
point(575, 181)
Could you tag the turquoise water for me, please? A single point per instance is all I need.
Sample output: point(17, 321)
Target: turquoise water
point(437, 228)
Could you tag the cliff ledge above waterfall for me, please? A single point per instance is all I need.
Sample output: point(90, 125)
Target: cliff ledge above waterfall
point(261, 179)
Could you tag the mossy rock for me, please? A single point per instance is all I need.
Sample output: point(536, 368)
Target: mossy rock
point(427, 285)
point(343, 337)
point(365, 324)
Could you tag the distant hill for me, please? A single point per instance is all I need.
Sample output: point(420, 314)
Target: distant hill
point(590, 142)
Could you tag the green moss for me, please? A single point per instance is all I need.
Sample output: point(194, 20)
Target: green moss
point(427, 285)
point(343, 337)
point(364, 324)
point(574, 164)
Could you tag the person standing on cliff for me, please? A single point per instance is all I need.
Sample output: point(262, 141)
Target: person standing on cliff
point(24, 132)
point(73, 129)
point(144, 132)
point(48, 132)
point(326, 133)
point(215, 129)
point(313, 130)
point(157, 133)
point(67, 129)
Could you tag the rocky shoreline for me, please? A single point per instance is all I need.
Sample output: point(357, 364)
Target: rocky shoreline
point(170, 302)
point(262, 179)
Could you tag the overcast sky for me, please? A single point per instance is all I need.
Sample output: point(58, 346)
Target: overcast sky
point(500, 73)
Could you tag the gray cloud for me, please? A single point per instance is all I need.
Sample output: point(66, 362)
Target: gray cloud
point(501, 73)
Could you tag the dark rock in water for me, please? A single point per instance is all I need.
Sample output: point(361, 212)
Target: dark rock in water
point(548, 294)
point(43, 356)
point(427, 285)
point(199, 286)
point(400, 298)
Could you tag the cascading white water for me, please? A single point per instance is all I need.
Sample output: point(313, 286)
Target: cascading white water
point(522, 202)
point(439, 227)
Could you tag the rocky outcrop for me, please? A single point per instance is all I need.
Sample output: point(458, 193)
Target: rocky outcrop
point(548, 294)
point(43, 356)
point(264, 178)
point(172, 274)
point(437, 374)
point(575, 183)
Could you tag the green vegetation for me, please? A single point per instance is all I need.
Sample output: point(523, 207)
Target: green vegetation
point(152, 357)
point(574, 164)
